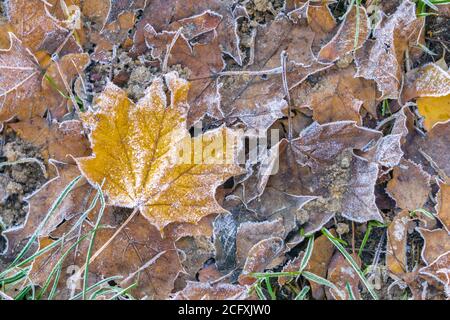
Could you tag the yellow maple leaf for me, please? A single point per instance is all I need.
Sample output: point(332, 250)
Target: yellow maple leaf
point(434, 110)
point(145, 157)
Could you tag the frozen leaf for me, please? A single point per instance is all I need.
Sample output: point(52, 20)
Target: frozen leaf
point(35, 25)
point(162, 13)
point(260, 257)
point(397, 233)
point(436, 146)
point(138, 253)
point(322, 143)
point(26, 92)
point(439, 270)
point(58, 141)
point(382, 59)
point(57, 83)
point(434, 110)
point(196, 250)
point(341, 274)
point(319, 262)
point(437, 242)
point(258, 100)
point(201, 62)
point(317, 14)
point(351, 35)
point(137, 152)
point(293, 265)
point(388, 151)
point(429, 80)
point(42, 200)
point(19, 77)
point(336, 95)
point(250, 233)
point(443, 205)
point(206, 291)
point(410, 186)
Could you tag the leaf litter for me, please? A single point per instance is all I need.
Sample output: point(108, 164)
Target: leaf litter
point(105, 194)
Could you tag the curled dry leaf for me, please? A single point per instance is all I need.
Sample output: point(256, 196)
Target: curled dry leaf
point(352, 34)
point(261, 256)
point(437, 242)
point(341, 273)
point(201, 61)
point(206, 291)
point(323, 143)
point(439, 270)
point(429, 80)
point(397, 235)
point(382, 59)
point(161, 13)
point(146, 158)
point(410, 186)
point(317, 14)
point(250, 233)
point(38, 25)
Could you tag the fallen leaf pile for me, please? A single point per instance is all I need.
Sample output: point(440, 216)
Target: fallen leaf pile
point(193, 149)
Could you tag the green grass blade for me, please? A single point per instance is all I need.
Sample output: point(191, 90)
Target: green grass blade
point(303, 293)
point(322, 281)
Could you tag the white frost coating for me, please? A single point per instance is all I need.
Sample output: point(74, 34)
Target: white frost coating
point(359, 200)
point(265, 115)
point(380, 62)
point(432, 81)
point(389, 151)
point(399, 231)
point(17, 67)
point(440, 267)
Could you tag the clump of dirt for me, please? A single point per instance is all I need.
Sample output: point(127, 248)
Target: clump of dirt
point(17, 181)
point(262, 11)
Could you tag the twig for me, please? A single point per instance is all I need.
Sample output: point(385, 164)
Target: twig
point(284, 57)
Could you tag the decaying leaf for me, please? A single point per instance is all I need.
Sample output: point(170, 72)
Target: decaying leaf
point(162, 13)
point(439, 270)
point(382, 59)
point(261, 256)
point(342, 274)
point(135, 147)
point(258, 100)
point(443, 205)
point(318, 263)
point(436, 144)
point(351, 35)
point(336, 95)
point(437, 242)
point(58, 141)
point(42, 200)
point(250, 233)
point(201, 61)
point(429, 80)
point(20, 76)
point(206, 291)
point(26, 90)
point(410, 186)
point(397, 233)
